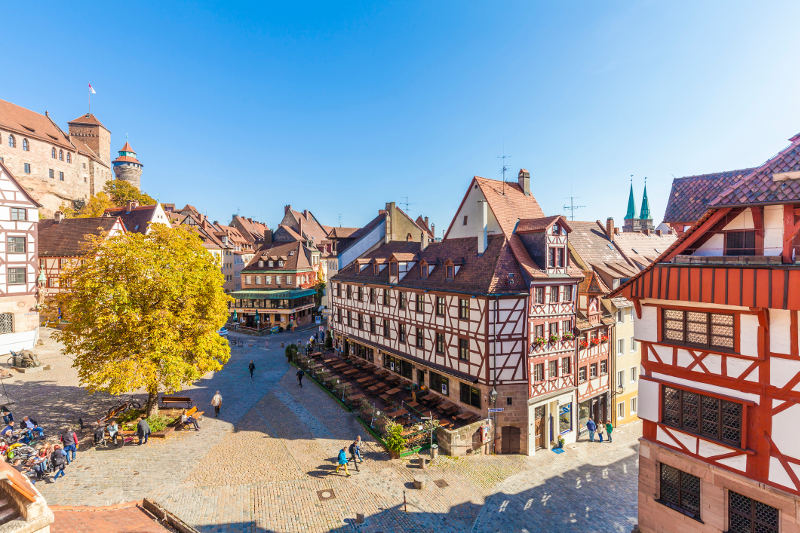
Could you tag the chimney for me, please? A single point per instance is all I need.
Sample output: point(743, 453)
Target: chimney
point(387, 237)
point(424, 240)
point(524, 179)
point(433, 231)
point(58, 216)
point(658, 232)
point(426, 222)
point(483, 237)
point(132, 204)
point(616, 231)
point(610, 228)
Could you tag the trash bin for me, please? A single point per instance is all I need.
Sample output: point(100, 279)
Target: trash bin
point(434, 451)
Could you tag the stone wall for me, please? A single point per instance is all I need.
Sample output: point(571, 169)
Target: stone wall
point(465, 440)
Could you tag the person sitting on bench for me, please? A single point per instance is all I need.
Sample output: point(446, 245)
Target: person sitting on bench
point(33, 426)
point(186, 420)
point(113, 429)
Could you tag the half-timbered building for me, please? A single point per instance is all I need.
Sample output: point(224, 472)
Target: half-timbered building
point(454, 316)
point(717, 319)
point(19, 216)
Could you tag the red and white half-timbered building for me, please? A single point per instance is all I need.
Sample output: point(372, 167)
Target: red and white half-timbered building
point(717, 318)
point(19, 315)
point(453, 316)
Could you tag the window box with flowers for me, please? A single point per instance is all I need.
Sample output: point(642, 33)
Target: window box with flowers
point(553, 339)
point(538, 341)
point(595, 341)
point(583, 343)
point(603, 338)
point(567, 336)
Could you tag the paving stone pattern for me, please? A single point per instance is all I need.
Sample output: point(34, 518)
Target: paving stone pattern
point(263, 463)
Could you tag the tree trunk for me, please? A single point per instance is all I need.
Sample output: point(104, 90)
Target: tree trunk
point(152, 403)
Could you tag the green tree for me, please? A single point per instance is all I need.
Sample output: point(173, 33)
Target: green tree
point(143, 312)
point(121, 192)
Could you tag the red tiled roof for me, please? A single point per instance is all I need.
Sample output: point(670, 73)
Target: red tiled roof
point(135, 220)
point(690, 195)
point(127, 159)
point(540, 224)
point(252, 229)
point(508, 203)
point(296, 255)
point(68, 238)
point(29, 123)
point(127, 148)
point(87, 119)
point(759, 187)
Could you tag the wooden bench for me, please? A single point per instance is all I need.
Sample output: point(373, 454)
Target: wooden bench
point(168, 400)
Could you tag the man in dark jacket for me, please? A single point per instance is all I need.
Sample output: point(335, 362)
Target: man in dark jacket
point(59, 461)
point(592, 427)
point(300, 377)
point(69, 439)
point(142, 431)
point(251, 367)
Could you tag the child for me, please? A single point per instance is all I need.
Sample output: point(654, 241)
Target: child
point(342, 462)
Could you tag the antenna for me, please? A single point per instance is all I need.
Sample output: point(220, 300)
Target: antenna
point(572, 207)
point(406, 203)
point(340, 220)
point(504, 167)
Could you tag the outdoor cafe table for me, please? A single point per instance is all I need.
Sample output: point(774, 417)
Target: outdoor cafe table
point(449, 408)
point(351, 371)
point(464, 416)
point(397, 412)
point(356, 397)
point(365, 379)
point(392, 392)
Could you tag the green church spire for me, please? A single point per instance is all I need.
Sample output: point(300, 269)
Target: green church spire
point(631, 213)
point(644, 213)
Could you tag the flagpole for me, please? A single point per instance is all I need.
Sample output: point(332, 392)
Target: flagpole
point(90, 98)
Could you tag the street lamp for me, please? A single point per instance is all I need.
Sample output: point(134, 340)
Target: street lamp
point(493, 400)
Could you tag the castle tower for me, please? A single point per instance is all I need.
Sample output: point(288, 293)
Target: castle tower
point(645, 218)
point(629, 223)
point(93, 134)
point(127, 167)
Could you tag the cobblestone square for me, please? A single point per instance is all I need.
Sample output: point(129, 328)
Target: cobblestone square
point(262, 464)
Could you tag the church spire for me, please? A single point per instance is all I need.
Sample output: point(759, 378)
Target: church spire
point(631, 213)
point(644, 213)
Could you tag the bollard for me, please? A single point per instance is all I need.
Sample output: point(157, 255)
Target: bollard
point(359, 518)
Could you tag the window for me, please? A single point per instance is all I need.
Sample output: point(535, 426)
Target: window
point(566, 326)
point(385, 296)
point(680, 491)
point(16, 276)
point(61, 176)
point(386, 328)
point(439, 383)
point(603, 367)
point(349, 319)
point(19, 213)
point(621, 315)
point(634, 373)
point(338, 288)
point(372, 295)
point(420, 307)
point(463, 349)
point(582, 374)
point(566, 366)
point(620, 378)
point(634, 401)
point(61, 155)
point(16, 245)
point(53, 153)
point(349, 291)
point(450, 271)
point(695, 328)
point(633, 345)
point(360, 321)
point(538, 372)
point(25, 146)
point(554, 294)
point(538, 331)
point(440, 343)
point(538, 295)
point(401, 332)
point(740, 242)
point(360, 293)
point(565, 418)
point(593, 370)
point(51, 173)
point(463, 308)
point(69, 157)
point(552, 371)
point(621, 410)
point(401, 300)
point(339, 316)
point(470, 395)
point(258, 280)
point(279, 280)
point(620, 346)
point(372, 324)
point(750, 516)
point(716, 419)
point(6, 323)
point(567, 293)
point(465, 221)
point(26, 168)
point(420, 338)
point(440, 306)
point(12, 142)
point(554, 328)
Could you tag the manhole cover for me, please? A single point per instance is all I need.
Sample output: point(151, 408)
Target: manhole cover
point(440, 483)
point(326, 494)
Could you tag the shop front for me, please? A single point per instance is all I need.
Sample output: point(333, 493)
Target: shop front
point(596, 408)
point(551, 418)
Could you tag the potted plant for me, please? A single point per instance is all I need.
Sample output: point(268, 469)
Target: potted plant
point(560, 441)
point(567, 336)
point(603, 338)
point(393, 437)
point(538, 341)
point(595, 341)
point(553, 339)
point(583, 343)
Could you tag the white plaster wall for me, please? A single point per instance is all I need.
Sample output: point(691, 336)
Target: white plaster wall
point(777, 474)
point(648, 400)
point(779, 336)
point(743, 220)
point(784, 430)
point(782, 370)
point(773, 230)
point(748, 335)
point(21, 340)
point(646, 328)
point(739, 462)
point(472, 209)
point(699, 385)
point(713, 246)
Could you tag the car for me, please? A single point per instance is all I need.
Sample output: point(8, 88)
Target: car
point(223, 332)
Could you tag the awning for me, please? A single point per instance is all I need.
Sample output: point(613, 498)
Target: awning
point(272, 294)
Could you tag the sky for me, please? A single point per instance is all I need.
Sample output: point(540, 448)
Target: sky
point(340, 107)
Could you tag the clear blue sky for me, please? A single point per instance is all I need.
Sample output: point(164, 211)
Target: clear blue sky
point(339, 107)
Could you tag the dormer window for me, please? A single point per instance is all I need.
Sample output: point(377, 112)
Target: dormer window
point(450, 272)
point(271, 263)
point(556, 229)
point(556, 257)
point(740, 242)
point(260, 264)
point(291, 253)
point(280, 262)
point(361, 267)
point(423, 269)
point(393, 268)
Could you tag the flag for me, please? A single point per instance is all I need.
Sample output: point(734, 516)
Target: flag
point(91, 89)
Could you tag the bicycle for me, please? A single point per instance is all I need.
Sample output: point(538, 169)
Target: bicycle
point(125, 403)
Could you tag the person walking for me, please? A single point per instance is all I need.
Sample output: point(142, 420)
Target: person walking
point(342, 462)
point(592, 427)
point(358, 449)
point(69, 439)
point(216, 402)
point(300, 374)
point(600, 431)
point(252, 368)
point(609, 429)
point(59, 461)
point(352, 451)
point(142, 430)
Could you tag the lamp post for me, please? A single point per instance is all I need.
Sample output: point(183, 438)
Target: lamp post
point(493, 401)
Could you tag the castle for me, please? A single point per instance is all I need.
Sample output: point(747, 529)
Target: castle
point(645, 220)
point(58, 167)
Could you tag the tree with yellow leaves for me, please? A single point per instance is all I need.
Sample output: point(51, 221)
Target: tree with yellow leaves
point(143, 312)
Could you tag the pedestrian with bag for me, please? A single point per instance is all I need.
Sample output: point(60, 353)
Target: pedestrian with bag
point(69, 439)
point(609, 429)
point(59, 461)
point(300, 374)
point(342, 462)
point(352, 451)
point(592, 427)
point(216, 402)
point(142, 430)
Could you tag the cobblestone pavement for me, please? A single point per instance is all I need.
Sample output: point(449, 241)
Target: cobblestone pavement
point(267, 464)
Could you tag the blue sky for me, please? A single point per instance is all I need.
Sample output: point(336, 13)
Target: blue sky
point(340, 107)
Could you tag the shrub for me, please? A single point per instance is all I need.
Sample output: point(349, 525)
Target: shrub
point(328, 340)
point(291, 352)
point(157, 423)
point(393, 437)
